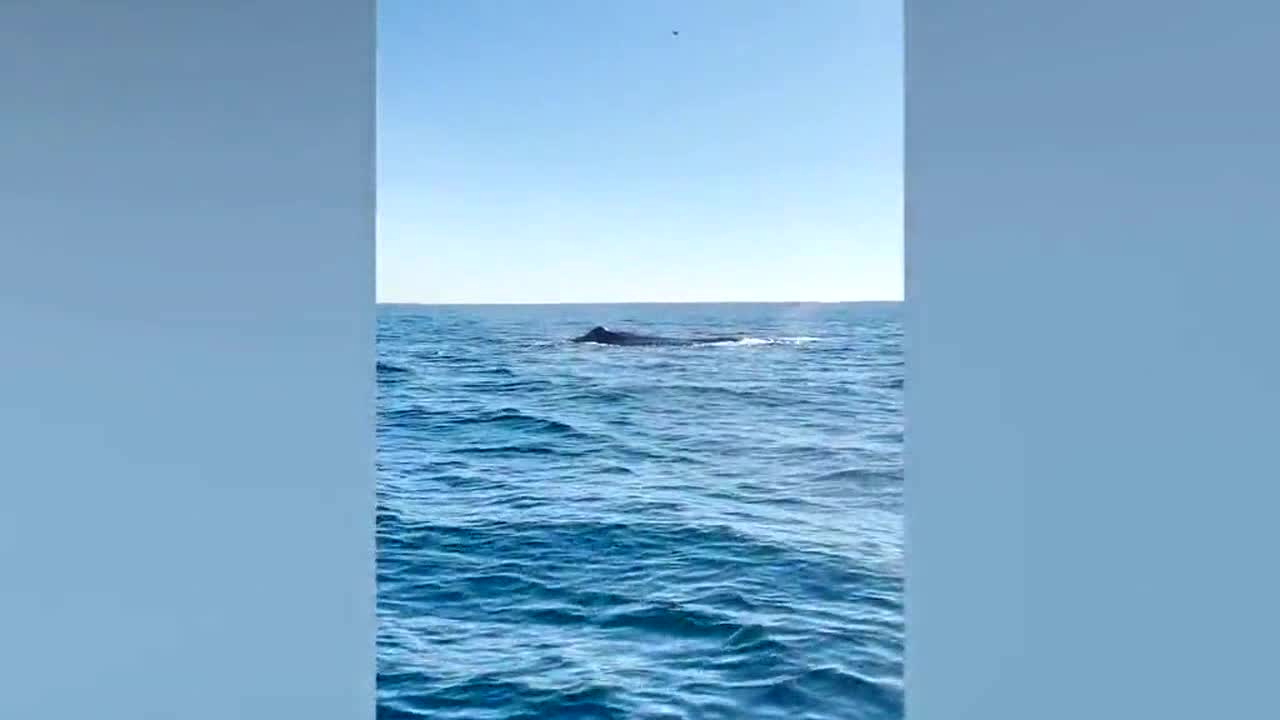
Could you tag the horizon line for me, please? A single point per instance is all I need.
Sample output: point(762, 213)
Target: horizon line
point(638, 302)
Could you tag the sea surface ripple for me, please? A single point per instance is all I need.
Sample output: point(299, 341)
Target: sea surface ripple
point(578, 531)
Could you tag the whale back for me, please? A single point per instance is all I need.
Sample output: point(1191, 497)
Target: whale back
point(597, 334)
point(604, 336)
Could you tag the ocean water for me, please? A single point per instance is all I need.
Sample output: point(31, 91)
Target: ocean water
point(578, 531)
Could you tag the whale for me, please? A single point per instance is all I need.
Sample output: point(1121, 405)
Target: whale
point(603, 336)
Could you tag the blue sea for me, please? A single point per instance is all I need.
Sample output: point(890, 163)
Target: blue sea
point(581, 531)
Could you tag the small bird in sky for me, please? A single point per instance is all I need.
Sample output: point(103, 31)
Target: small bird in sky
point(675, 33)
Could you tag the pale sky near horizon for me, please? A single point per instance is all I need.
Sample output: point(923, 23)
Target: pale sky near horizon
point(559, 151)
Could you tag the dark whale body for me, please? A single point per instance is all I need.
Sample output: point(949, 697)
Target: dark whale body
point(604, 336)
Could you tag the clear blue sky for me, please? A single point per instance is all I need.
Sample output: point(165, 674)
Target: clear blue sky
point(556, 151)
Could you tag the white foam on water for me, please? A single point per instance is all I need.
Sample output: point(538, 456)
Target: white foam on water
point(769, 341)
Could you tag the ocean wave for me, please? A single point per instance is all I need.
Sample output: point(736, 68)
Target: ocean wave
point(523, 700)
point(676, 533)
point(864, 477)
point(506, 387)
point(513, 419)
point(389, 369)
point(518, 449)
